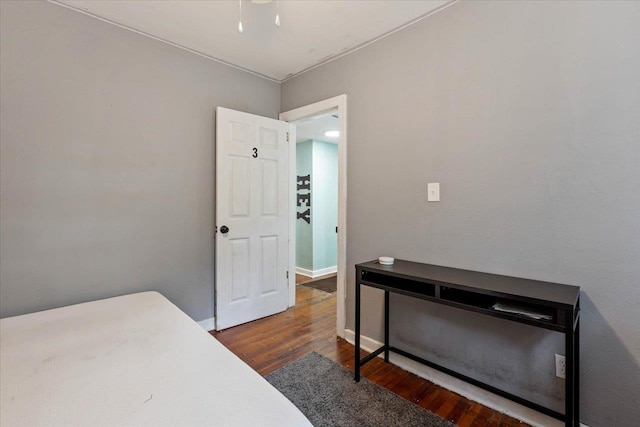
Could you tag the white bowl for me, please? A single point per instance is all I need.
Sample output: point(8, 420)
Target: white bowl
point(386, 260)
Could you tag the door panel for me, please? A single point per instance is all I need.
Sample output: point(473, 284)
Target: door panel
point(239, 269)
point(269, 187)
point(268, 138)
point(252, 161)
point(269, 254)
point(240, 193)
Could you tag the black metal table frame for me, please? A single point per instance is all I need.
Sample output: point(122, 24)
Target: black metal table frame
point(568, 322)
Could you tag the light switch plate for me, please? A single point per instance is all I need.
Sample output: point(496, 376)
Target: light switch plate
point(433, 192)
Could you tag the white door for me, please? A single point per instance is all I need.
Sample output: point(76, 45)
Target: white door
point(252, 156)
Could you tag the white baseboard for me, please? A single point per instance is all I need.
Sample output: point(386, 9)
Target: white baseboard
point(304, 272)
point(317, 273)
point(208, 324)
point(463, 388)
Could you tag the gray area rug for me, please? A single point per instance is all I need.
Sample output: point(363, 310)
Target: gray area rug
point(327, 394)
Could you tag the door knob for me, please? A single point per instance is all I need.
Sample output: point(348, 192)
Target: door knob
point(224, 229)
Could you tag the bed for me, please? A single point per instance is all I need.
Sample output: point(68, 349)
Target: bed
point(134, 360)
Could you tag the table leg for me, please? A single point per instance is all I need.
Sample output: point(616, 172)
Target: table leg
point(386, 326)
point(357, 332)
point(569, 388)
point(576, 377)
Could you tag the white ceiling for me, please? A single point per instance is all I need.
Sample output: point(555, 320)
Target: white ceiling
point(315, 127)
point(311, 31)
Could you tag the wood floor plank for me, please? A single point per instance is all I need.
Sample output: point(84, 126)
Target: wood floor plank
point(419, 390)
point(496, 420)
point(427, 394)
point(270, 343)
point(483, 417)
point(472, 413)
point(408, 386)
point(460, 409)
point(447, 406)
point(437, 399)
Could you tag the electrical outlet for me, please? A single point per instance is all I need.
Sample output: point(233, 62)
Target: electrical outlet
point(561, 366)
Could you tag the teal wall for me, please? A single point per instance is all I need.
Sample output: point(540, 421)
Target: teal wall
point(324, 198)
point(304, 231)
point(317, 243)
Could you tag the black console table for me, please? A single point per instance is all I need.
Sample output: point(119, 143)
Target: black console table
point(545, 305)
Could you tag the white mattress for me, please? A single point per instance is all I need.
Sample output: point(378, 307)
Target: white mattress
point(135, 360)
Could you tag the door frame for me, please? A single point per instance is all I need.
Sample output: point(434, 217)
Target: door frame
point(339, 102)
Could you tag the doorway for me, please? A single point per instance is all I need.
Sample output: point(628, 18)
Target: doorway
point(336, 106)
point(317, 139)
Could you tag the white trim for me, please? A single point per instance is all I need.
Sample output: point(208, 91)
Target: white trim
point(339, 102)
point(366, 343)
point(316, 273)
point(208, 324)
point(142, 33)
point(304, 272)
point(463, 388)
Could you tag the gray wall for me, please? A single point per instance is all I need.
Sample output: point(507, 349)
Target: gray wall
point(528, 114)
point(107, 177)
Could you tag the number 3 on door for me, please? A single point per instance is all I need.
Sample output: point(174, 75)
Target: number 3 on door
point(255, 152)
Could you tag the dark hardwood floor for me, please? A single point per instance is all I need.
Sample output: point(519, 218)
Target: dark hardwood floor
point(269, 343)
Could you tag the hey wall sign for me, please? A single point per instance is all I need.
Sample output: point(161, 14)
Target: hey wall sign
point(304, 198)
